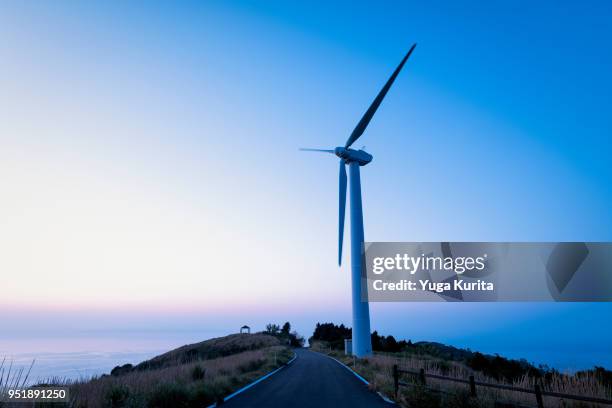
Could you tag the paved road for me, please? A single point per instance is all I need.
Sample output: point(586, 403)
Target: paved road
point(312, 380)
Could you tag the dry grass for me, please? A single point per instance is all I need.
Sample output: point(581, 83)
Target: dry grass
point(378, 370)
point(213, 348)
point(221, 376)
point(12, 378)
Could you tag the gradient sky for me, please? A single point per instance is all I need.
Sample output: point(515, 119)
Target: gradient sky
point(151, 179)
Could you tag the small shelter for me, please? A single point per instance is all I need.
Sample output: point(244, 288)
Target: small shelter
point(245, 329)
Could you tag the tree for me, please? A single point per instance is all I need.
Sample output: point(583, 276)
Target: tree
point(296, 340)
point(332, 334)
point(376, 341)
point(285, 334)
point(390, 344)
point(272, 329)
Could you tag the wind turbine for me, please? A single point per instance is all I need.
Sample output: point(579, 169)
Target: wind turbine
point(362, 344)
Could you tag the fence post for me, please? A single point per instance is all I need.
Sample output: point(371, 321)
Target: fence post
point(538, 394)
point(395, 379)
point(472, 386)
point(422, 376)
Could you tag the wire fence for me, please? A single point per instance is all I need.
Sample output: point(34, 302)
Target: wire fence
point(422, 376)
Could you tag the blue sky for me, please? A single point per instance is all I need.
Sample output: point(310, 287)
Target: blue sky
point(150, 164)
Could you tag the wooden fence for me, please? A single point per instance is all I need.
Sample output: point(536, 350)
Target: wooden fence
point(537, 391)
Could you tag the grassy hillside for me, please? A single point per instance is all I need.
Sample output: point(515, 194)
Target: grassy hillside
point(194, 375)
point(210, 349)
point(448, 361)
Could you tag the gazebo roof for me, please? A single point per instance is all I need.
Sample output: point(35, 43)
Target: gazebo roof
point(245, 327)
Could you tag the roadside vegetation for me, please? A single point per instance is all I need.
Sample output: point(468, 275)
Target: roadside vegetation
point(195, 375)
point(439, 359)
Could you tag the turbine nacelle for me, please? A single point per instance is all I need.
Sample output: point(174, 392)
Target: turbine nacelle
point(351, 155)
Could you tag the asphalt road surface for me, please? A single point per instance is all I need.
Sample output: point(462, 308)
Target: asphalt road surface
point(312, 380)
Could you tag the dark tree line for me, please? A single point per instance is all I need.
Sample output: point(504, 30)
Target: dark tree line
point(332, 334)
point(335, 335)
point(388, 344)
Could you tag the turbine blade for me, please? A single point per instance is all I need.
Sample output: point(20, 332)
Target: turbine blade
point(316, 150)
point(341, 209)
point(365, 120)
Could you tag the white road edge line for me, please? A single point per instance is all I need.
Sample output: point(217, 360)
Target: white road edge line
point(260, 379)
point(349, 368)
point(384, 398)
point(381, 395)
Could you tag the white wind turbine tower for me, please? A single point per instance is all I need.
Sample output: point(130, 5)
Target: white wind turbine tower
point(362, 344)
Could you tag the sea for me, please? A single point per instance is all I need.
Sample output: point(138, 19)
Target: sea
point(84, 356)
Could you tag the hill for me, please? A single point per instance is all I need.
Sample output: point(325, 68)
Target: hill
point(210, 349)
point(193, 375)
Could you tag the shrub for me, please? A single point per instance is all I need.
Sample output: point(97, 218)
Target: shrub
point(169, 396)
point(461, 399)
point(421, 397)
point(272, 329)
point(119, 370)
point(116, 396)
point(182, 396)
point(203, 396)
point(253, 365)
point(198, 373)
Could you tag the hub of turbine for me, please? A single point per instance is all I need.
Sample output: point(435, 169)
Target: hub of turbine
point(351, 155)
